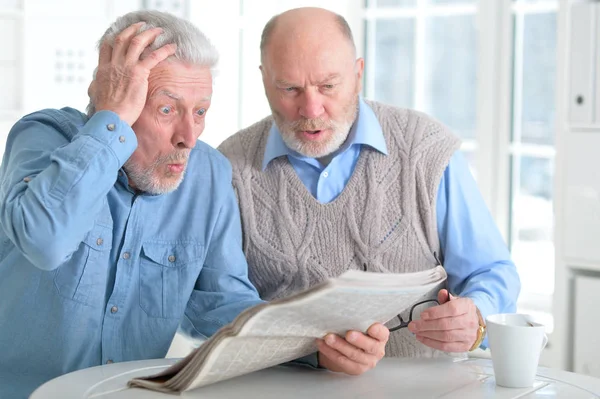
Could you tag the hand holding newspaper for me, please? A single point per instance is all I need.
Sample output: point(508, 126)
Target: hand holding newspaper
point(285, 329)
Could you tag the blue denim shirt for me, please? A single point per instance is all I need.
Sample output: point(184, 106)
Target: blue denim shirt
point(475, 256)
point(93, 273)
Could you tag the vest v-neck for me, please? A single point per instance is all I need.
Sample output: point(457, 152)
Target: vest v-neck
point(340, 200)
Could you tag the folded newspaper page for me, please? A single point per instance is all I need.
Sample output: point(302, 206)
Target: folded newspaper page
point(285, 329)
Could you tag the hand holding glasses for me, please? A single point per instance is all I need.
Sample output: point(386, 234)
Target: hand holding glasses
point(415, 310)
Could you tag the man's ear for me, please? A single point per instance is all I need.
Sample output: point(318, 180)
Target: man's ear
point(359, 68)
point(263, 72)
point(90, 91)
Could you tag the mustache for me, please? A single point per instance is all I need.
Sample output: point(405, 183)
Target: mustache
point(174, 157)
point(311, 124)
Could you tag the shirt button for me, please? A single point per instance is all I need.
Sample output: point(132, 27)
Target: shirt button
point(122, 139)
point(114, 309)
point(171, 258)
point(325, 174)
point(27, 179)
point(126, 255)
point(99, 241)
point(110, 126)
point(109, 361)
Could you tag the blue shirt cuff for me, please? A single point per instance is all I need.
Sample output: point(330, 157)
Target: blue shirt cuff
point(110, 130)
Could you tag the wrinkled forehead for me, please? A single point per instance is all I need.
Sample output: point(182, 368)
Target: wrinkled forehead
point(288, 58)
point(180, 81)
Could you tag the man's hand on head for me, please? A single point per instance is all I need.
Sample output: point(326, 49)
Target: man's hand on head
point(356, 352)
point(121, 82)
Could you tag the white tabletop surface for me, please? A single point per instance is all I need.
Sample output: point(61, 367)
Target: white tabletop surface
point(392, 378)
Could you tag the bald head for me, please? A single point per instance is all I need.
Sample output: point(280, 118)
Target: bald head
point(312, 79)
point(307, 27)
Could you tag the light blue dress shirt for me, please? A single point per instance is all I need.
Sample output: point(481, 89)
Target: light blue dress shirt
point(92, 272)
point(475, 255)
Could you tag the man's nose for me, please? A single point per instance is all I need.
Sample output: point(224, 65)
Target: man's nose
point(187, 133)
point(312, 105)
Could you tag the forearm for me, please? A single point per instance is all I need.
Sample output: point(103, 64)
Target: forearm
point(50, 197)
point(494, 290)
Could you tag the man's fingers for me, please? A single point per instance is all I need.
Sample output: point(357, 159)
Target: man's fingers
point(350, 351)
point(443, 296)
point(443, 324)
point(445, 346)
point(335, 360)
point(379, 332)
point(356, 353)
point(105, 54)
point(456, 307)
point(366, 344)
point(159, 55)
point(139, 42)
point(450, 335)
point(121, 43)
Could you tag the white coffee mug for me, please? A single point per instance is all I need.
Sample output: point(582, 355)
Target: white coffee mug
point(516, 342)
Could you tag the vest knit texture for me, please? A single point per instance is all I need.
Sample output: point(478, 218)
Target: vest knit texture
point(384, 220)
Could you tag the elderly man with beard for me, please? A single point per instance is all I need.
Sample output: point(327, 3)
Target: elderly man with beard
point(105, 248)
point(332, 182)
point(99, 262)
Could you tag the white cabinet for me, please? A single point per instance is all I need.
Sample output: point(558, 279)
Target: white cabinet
point(584, 64)
point(586, 357)
point(573, 342)
point(581, 208)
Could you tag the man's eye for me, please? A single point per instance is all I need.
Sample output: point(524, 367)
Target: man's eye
point(165, 110)
point(201, 111)
point(290, 89)
point(329, 87)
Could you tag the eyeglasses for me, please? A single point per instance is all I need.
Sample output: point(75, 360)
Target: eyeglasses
point(415, 310)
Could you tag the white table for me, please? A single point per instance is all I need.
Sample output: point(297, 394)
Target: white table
point(392, 378)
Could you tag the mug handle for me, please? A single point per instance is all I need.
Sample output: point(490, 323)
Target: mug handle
point(545, 341)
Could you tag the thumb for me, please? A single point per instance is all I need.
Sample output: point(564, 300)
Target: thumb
point(444, 296)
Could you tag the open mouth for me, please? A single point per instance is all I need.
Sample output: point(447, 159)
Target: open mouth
point(312, 134)
point(176, 167)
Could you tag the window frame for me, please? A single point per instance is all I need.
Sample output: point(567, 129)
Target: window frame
point(497, 155)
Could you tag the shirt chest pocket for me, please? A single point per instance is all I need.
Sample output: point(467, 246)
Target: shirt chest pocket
point(83, 277)
point(167, 275)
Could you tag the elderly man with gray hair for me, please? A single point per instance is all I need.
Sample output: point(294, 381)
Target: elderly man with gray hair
point(105, 248)
point(332, 182)
point(98, 260)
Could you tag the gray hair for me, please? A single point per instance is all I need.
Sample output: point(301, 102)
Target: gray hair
point(270, 27)
point(193, 46)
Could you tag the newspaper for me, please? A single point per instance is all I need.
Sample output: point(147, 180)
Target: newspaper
point(283, 330)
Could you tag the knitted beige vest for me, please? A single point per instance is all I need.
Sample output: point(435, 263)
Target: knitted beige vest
point(383, 220)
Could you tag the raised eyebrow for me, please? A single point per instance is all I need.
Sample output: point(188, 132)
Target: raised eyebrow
point(177, 97)
point(168, 94)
